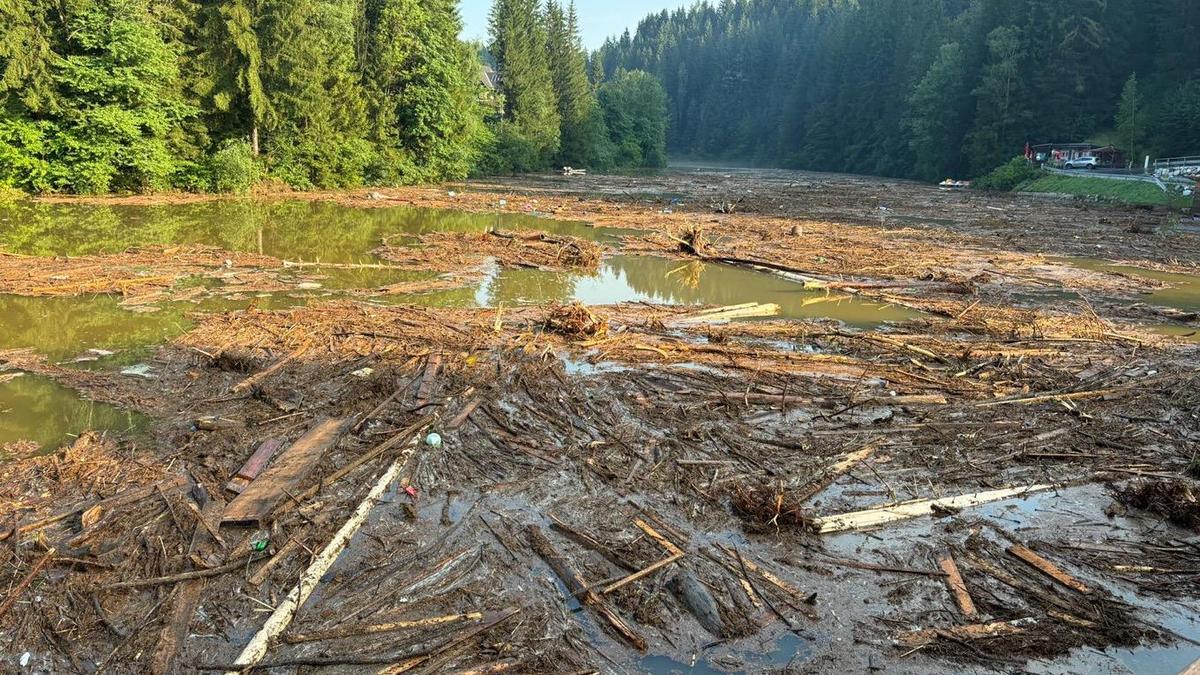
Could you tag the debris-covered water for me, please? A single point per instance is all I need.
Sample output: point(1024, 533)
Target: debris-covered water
point(64, 329)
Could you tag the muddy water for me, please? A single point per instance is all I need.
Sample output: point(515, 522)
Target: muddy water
point(70, 329)
point(57, 413)
point(641, 278)
point(1182, 292)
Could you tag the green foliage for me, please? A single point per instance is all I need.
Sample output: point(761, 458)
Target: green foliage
point(424, 91)
point(510, 152)
point(26, 56)
point(874, 86)
point(1178, 126)
point(1124, 191)
point(1131, 119)
point(233, 168)
point(996, 129)
point(581, 144)
point(934, 120)
point(23, 155)
point(519, 46)
point(635, 108)
point(1008, 177)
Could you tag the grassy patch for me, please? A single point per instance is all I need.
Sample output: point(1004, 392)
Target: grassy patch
point(1130, 192)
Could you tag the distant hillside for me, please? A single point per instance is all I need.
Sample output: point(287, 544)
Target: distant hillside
point(922, 88)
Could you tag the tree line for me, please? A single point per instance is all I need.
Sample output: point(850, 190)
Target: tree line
point(919, 88)
point(216, 95)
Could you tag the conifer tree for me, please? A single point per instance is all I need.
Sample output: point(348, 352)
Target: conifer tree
point(531, 124)
point(579, 122)
point(996, 135)
point(316, 120)
point(933, 120)
point(1131, 119)
point(424, 89)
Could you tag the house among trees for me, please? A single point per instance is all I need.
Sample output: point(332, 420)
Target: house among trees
point(1057, 153)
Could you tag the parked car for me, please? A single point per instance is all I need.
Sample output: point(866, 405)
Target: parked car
point(1081, 163)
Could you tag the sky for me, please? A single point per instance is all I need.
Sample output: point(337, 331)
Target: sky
point(599, 18)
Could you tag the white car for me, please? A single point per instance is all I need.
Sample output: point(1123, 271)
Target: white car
point(1081, 163)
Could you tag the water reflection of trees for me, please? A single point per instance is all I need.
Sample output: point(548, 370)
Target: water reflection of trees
point(42, 411)
point(65, 327)
point(289, 229)
point(511, 287)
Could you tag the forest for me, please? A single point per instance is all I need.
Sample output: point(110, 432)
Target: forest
point(221, 95)
point(919, 88)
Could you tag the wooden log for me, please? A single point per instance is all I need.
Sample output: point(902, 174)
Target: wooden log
point(723, 314)
point(390, 627)
point(882, 515)
point(798, 599)
point(958, 587)
point(185, 597)
point(578, 588)
point(695, 596)
point(184, 576)
point(92, 510)
point(464, 414)
point(254, 465)
point(286, 610)
point(254, 379)
point(449, 648)
point(975, 631)
point(675, 554)
point(591, 542)
point(836, 471)
point(1048, 568)
point(285, 475)
point(15, 593)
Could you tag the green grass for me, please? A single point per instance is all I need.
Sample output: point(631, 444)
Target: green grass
point(1127, 191)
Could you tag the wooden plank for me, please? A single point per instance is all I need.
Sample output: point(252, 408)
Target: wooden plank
point(254, 466)
point(858, 520)
point(285, 475)
point(286, 610)
point(957, 586)
point(1046, 567)
point(835, 471)
point(975, 631)
point(579, 588)
point(185, 597)
point(433, 364)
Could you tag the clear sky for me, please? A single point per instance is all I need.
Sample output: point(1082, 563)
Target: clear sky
point(599, 18)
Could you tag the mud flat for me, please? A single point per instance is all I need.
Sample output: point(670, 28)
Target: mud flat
point(598, 427)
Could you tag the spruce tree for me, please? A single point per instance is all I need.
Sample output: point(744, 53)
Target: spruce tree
point(1131, 119)
point(26, 57)
point(933, 120)
point(119, 86)
point(531, 125)
point(579, 122)
point(996, 135)
point(228, 69)
point(424, 88)
point(316, 120)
